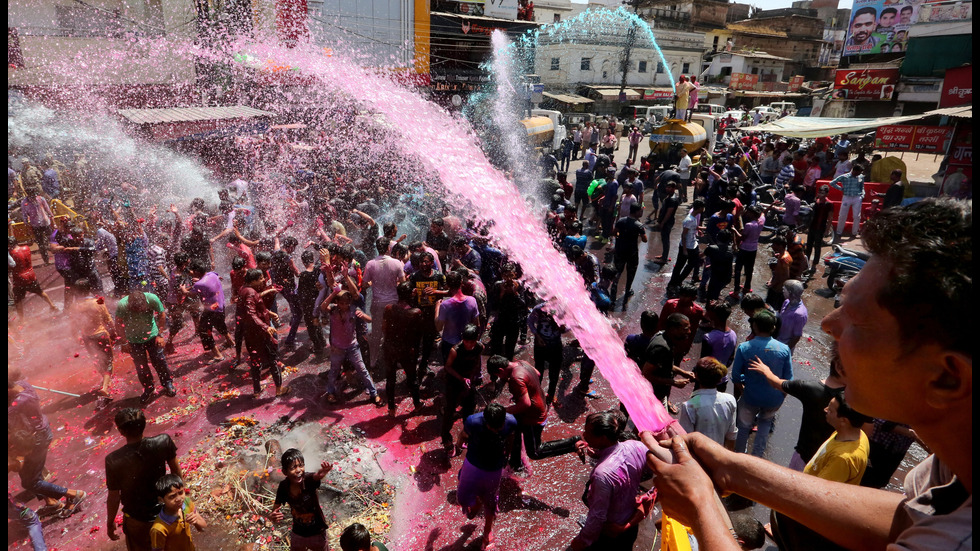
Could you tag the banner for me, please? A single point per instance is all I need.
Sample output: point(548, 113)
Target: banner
point(958, 181)
point(865, 84)
point(881, 26)
point(743, 81)
point(658, 93)
point(795, 83)
point(957, 87)
point(915, 138)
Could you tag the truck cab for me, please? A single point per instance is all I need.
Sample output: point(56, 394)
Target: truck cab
point(545, 128)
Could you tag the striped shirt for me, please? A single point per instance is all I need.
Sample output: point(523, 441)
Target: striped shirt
point(851, 186)
point(785, 175)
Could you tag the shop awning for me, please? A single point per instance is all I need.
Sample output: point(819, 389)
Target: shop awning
point(571, 99)
point(194, 123)
point(190, 114)
point(613, 93)
point(817, 127)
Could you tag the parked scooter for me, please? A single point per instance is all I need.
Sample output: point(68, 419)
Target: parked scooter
point(841, 265)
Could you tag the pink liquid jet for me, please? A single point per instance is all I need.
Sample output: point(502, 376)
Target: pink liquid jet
point(448, 147)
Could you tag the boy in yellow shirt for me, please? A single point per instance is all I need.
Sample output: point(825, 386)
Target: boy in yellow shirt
point(844, 456)
point(171, 530)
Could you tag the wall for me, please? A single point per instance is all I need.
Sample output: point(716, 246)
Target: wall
point(377, 32)
point(606, 59)
point(51, 32)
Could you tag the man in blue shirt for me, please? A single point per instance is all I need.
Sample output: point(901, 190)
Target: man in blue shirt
point(852, 187)
point(760, 401)
point(583, 177)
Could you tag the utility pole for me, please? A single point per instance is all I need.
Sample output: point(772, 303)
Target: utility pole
point(628, 47)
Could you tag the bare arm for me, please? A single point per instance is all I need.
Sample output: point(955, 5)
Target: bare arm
point(763, 369)
point(853, 516)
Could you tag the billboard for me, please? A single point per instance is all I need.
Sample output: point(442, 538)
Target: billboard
point(906, 137)
point(881, 26)
point(865, 84)
point(795, 83)
point(743, 81)
point(957, 87)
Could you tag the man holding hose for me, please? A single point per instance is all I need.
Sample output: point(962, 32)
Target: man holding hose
point(904, 331)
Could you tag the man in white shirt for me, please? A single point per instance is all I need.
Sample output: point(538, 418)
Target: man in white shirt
point(684, 169)
point(382, 274)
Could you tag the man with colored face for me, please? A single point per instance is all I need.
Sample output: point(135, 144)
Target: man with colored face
point(905, 332)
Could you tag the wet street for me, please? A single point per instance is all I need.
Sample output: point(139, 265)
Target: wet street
point(537, 512)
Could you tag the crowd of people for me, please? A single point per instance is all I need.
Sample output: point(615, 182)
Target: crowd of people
point(436, 299)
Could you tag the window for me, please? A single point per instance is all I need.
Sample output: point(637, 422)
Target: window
point(643, 67)
point(660, 68)
point(555, 64)
point(755, 70)
point(557, 18)
point(686, 68)
point(586, 64)
point(88, 21)
point(714, 44)
point(605, 75)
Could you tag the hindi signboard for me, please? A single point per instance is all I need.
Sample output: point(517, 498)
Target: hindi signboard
point(907, 137)
point(957, 87)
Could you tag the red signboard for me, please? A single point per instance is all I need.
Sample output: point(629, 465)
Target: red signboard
point(743, 81)
point(958, 181)
point(906, 137)
point(795, 83)
point(897, 137)
point(957, 87)
point(931, 139)
point(865, 84)
point(653, 93)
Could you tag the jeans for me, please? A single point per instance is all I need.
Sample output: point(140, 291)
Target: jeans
point(746, 260)
point(852, 203)
point(456, 394)
point(263, 353)
point(31, 473)
point(746, 416)
point(314, 331)
point(146, 353)
point(353, 355)
point(42, 235)
point(503, 337)
point(553, 355)
point(530, 435)
point(688, 260)
point(406, 360)
point(29, 519)
point(627, 264)
point(295, 313)
point(665, 238)
point(211, 319)
point(581, 202)
point(376, 337)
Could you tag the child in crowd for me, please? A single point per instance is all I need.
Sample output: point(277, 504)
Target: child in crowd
point(171, 530)
point(357, 538)
point(309, 532)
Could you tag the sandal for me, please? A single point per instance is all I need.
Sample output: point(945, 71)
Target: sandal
point(72, 504)
point(377, 401)
point(488, 543)
point(282, 391)
point(50, 510)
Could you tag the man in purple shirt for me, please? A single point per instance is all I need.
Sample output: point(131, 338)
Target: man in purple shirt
point(748, 246)
point(612, 489)
point(207, 285)
point(453, 314)
point(793, 314)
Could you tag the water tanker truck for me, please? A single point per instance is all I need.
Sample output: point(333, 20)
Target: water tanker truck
point(545, 129)
point(667, 141)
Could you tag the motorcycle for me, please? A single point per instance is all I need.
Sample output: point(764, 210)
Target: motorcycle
point(767, 195)
point(841, 265)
